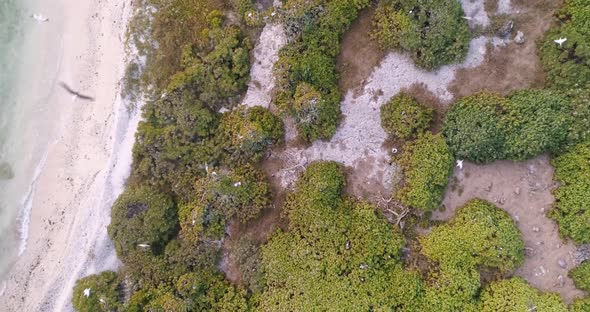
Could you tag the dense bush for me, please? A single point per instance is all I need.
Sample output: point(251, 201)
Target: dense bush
point(568, 66)
point(246, 133)
point(218, 71)
point(527, 123)
point(433, 32)
point(515, 294)
point(580, 305)
point(105, 293)
point(142, 216)
point(480, 235)
point(403, 117)
point(474, 128)
point(581, 276)
point(173, 140)
point(334, 249)
point(427, 164)
point(307, 80)
point(538, 121)
point(572, 207)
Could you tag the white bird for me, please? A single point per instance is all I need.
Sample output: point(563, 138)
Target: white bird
point(87, 292)
point(467, 18)
point(560, 41)
point(237, 184)
point(143, 245)
point(102, 301)
point(460, 163)
point(40, 18)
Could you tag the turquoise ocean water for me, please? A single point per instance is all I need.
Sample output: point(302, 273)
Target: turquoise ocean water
point(29, 63)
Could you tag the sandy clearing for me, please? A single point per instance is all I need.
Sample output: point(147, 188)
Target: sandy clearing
point(522, 189)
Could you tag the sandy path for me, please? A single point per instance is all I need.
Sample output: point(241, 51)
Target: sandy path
point(266, 54)
point(85, 167)
point(524, 191)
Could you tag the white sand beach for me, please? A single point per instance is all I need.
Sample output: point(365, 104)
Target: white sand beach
point(86, 163)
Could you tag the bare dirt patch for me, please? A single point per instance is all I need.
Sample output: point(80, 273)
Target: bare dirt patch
point(523, 190)
point(359, 54)
point(514, 66)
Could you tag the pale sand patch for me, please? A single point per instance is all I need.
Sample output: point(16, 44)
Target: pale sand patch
point(523, 190)
point(86, 165)
point(266, 54)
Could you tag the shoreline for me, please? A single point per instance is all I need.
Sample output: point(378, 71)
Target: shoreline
point(86, 164)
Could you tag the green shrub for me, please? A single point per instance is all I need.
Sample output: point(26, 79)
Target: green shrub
point(105, 293)
point(515, 294)
point(142, 216)
point(486, 127)
point(427, 165)
point(432, 31)
point(480, 235)
point(317, 114)
point(173, 141)
point(246, 133)
point(571, 209)
point(581, 276)
point(474, 128)
point(580, 305)
point(452, 289)
point(538, 121)
point(403, 117)
point(334, 249)
point(568, 66)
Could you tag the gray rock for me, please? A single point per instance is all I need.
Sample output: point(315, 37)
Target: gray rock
point(536, 229)
point(6, 172)
point(517, 191)
point(506, 30)
point(519, 38)
point(562, 263)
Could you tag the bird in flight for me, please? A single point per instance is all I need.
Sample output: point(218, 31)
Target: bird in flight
point(40, 18)
point(76, 93)
point(560, 41)
point(87, 292)
point(460, 163)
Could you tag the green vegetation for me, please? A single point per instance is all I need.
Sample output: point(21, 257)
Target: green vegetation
point(335, 248)
point(515, 294)
point(403, 117)
point(307, 80)
point(245, 134)
point(572, 207)
point(427, 164)
point(581, 276)
point(142, 216)
point(568, 66)
point(105, 293)
point(479, 236)
point(474, 129)
point(433, 32)
point(580, 305)
point(485, 127)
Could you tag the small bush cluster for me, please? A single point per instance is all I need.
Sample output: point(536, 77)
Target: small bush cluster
point(307, 80)
point(427, 164)
point(485, 127)
point(515, 294)
point(98, 293)
point(479, 236)
point(581, 276)
point(433, 32)
point(403, 117)
point(571, 209)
